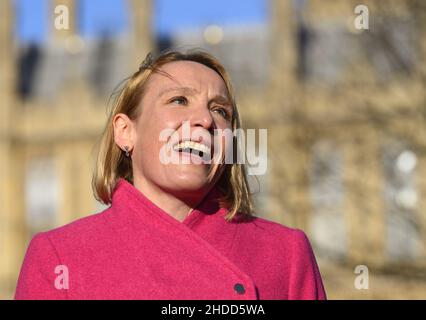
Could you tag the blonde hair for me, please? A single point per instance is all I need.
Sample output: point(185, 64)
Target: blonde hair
point(112, 164)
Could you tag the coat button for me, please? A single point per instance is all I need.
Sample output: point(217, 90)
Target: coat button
point(239, 288)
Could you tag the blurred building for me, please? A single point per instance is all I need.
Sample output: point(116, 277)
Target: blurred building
point(54, 90)
point(349, 144)
point(344, 109)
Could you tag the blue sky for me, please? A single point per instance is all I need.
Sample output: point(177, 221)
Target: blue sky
point(172, 15)
point(112, 16)
point(33, 20)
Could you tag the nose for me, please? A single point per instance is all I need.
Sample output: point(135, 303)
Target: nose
point(202, 117)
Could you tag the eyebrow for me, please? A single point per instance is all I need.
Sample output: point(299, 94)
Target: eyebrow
point(186, 90)
point(224, 100)
point(191, 91)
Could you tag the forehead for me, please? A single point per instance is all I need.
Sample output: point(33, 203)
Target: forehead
point(188, 74)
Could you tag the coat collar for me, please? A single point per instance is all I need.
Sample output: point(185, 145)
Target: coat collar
point(127, 197)
point(204, 240)
point(205, 235)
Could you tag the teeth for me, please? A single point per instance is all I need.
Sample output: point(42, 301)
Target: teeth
point(193, 145)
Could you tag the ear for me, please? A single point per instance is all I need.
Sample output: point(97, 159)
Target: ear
point(124, 131)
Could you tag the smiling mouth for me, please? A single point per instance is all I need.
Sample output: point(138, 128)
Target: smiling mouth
point(192, 147)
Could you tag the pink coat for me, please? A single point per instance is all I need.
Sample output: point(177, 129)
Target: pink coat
point(135, 250)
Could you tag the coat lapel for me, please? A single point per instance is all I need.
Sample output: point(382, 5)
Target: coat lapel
point(177, 261)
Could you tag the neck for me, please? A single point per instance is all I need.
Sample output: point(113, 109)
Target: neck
point(168, 202)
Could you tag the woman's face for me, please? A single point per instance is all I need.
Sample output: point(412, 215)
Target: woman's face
point(191, 103)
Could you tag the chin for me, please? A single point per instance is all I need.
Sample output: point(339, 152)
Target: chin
point(190, 181)
point(192, 184)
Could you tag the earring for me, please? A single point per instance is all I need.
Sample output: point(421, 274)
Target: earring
point(126, 150)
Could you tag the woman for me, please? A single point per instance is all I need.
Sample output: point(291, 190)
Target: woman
point(174, 230)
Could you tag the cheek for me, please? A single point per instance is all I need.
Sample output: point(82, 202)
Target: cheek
point(222, 145)
point(221, 122)
point(165, 118)
point(148, 134)
point(225, 126)
point(146, 141)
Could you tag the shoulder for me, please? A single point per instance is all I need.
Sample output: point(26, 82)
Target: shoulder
point(268, 235)
point(50, 249)
point(265, 227)
point(79, 232)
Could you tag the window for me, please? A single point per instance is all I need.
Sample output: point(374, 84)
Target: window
point(326, 192)
point(31, 33)
point(41, 194)
point(403, 234)
point(392, 46)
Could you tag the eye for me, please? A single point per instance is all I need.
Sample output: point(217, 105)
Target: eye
point(179, 100)
point(223, 112)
